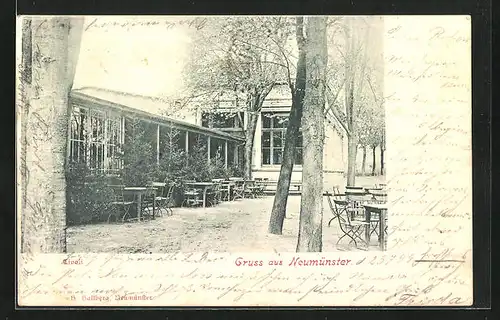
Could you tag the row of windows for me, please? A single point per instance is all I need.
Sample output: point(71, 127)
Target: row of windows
point(274, 126)
point(222, 120)
point(96, 138)
point(273, 139)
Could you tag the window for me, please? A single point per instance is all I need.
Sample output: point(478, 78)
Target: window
point(273, 139)
point(222, 120)
point(95, 140)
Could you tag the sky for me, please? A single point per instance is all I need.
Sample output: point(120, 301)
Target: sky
point(143, 55)
point(130, 57)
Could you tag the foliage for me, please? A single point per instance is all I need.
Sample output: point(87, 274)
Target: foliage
point(237, 56)
point(88, 196)
point(138, 156)
point(354, 66)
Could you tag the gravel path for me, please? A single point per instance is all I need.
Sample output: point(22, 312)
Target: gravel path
point(236, 226)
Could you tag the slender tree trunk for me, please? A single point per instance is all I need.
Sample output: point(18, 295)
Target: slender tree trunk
point(352, 143)
point(249, 139)
point(374, 148)
point(278, 212)
point(363, 164)
point(352, 150)
point(382, 150)
point(382, 169)
point(311, 206)
point(46, 134)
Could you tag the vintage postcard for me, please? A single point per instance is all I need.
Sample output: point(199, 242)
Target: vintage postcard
point(250, 161)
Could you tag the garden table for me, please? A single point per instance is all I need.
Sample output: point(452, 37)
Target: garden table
point(202, 185)
point(138, 192)
point(381, 209)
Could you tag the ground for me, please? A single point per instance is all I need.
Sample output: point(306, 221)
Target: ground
point(236, 226)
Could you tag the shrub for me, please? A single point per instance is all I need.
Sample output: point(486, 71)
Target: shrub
point(88, 196)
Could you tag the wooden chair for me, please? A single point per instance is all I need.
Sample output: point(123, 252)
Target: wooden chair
point(239, 189)
point(250, 189)
point(121, 207)
point(164, 198)
point(355, 197)
point(378, 196)
point(192, 197)
point(225, 190)
point(352, 229)
point(148, 201)
point(262, 184)
point(214, 195)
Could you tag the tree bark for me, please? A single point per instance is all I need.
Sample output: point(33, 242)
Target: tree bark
point(382, 169)
point(278, 212)
point(23, 111)
point(374, 148)
point(53, 65)
point(311, 206)
point(382, 150)
point(352, 143)
point(249, 140)
point(363, 164)
point(352, 150)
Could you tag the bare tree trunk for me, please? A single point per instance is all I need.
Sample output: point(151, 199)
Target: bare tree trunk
point(363, 164)
point(352, 150)
point(382, 169)
point(278, 212)
point(46, 134)
point(352, 143)
point(374, 148)
point(249, 139)
point(311, 206)
point(23, 109)
point(382, 150)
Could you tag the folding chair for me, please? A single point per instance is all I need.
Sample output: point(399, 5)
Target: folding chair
point(214, 195)
point(350, 228)
point(164, 198)
point(225, 190)
point(149, 201)
point(121, 207)
point(378, 196)
point(239, 190)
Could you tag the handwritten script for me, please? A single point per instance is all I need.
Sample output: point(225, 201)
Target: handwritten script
point(428, 261)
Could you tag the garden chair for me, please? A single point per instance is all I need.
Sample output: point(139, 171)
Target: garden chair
point(164, 198)
point(214, 195)
point(250, 189)
point(378, 196)
point(148, 201)
point(336, 196)
point(350, 228)
point(355, 197)
point(120, 207)
point(192, 197)
point(225, 190)
point(239, 190)
point(262, 184)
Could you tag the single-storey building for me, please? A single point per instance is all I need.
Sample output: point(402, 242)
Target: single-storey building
point(100, 117)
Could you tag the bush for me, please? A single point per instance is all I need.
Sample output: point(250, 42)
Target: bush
point(88, 196)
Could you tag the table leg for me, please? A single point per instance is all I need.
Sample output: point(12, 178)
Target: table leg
point(139, 206)
point(382, 225)
point(204, 197)
point(368, 217)
point(154, 203)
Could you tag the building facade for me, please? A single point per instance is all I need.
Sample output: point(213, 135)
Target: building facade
point(269, 138)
